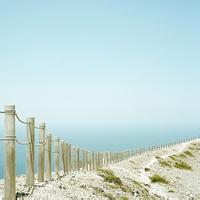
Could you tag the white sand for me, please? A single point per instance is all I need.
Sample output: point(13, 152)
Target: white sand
point(183, 184)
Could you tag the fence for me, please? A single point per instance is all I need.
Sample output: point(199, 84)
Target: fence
point(72, 158)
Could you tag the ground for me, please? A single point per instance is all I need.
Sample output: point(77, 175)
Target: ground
point(171, 173)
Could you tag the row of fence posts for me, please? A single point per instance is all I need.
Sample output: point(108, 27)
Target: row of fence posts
point(72, 158)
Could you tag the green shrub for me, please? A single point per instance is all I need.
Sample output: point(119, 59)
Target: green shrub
point(113, 179)
point(109, 176)
point(183, 155)
point(164, 163)
point(188, 153)
point(182, 165)
point(158, 179)
point(173, 157)
point(105, 172)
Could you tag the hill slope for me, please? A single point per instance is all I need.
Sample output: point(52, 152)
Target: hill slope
point(172, 173)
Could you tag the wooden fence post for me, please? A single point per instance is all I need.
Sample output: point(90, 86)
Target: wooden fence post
point(48, 165)
point(67, 158)
point(93, 161)
point(70, 157)
point(78, 159)
point(86, 159)
point(57, 157)
point(74, 158)
point(89, 160)
point(63, 157)
point(98, 160)
point(41, 153)
point(83, 160)
point(30, 135)
point(10, 176)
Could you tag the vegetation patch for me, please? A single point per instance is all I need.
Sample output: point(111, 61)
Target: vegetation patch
point(109, 196)
point(136, 183)
point(109, 176)
point(189, 153)
point(173, 157)
point(113, 186)
point(98, 190)
point(125, 189)
point(158, 179)
point(164, 163)
point(105, 171)
point(191, 148)
point(101, 192)
point(141, 189)
point(171, 191)
point(183, 155)
point(113, 179)
point(182, 165)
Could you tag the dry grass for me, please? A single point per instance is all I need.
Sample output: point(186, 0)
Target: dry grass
point(109, 176)
point(188, 153)
point(158, 179)
point(182, 155)
point(173, 157)
point(182, 165)
point(164, 163)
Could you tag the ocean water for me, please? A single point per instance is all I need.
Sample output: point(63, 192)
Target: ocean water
point(98, 139)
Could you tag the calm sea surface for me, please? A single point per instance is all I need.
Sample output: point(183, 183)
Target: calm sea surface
point(101, 140)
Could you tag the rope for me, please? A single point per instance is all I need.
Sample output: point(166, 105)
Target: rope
point(22, 143)
point(8, 112)
point(21, 120)
point(38, 127)
point(13, 138)
point(40, 143)
point(8, 137)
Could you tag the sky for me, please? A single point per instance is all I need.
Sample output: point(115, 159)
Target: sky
point(111, 64)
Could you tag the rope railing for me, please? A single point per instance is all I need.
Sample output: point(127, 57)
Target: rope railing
point(22, 143)
point(40, 143)
point(38, 127)
point(23, 122)
point(8, 138)
point(66, 157)
point(14, 139)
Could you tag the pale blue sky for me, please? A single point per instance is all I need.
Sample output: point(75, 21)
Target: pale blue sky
point(109, 64)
